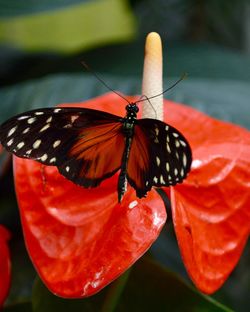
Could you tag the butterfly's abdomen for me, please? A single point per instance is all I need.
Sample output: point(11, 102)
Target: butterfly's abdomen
point(128, 131)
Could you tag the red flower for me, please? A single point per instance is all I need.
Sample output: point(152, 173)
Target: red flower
point(4, 264)
point(80, 240)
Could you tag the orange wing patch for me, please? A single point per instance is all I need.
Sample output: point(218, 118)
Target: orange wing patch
point(138, 164)
point(100, 149)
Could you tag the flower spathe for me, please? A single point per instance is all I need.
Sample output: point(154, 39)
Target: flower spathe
point(81, 239)
point(210, 209)
point(5, 266)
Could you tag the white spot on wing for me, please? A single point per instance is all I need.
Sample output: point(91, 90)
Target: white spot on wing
point(56, 143)
point(67, 168)
point(12, 130)
point(31, 120)
point(26, 130)
point(52, 160)
point(73, 118)
point(20, 145)
point(182, 172)
point(49, 119)
point(10, 142)
point(167, 166)
point(166, 128)
point(176, 171)
point(39, 113)
point(67, 126)
point(23, 117)
point(168, 148)
point(158, 161)
point(183, 143)
point(57, 110)
point(175, 134)
point(156, 131)
point(155, 179)
point(45, 127)
point(44, 157)
point(184, 160)
point(177, 143)
point(37, 143)
point(28, 152)
point(162, 180)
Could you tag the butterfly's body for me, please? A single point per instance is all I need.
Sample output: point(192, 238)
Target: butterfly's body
point(128, 131)
point(89, 146)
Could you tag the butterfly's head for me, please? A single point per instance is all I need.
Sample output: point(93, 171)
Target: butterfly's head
point(132, 108)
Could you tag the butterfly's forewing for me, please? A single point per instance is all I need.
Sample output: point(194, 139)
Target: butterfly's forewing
point(78, 141)
point(159, 156)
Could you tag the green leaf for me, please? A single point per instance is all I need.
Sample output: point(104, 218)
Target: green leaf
point(148, 287)
point(72, 28)
point(157, 289)
point(43, 300)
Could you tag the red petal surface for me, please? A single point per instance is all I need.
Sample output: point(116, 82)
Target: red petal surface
point(81, 239)
point(211, 209)
point(4, 264)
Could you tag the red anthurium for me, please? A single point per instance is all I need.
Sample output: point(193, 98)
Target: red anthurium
point(211, 208)
point(4, 264)
point(80, 240)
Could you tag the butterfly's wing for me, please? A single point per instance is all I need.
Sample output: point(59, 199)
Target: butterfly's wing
point(86, 145)
point(159, 156)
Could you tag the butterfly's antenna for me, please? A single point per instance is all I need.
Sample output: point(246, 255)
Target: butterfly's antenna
point(104, 83)
point(149, 103)
point(184, 75)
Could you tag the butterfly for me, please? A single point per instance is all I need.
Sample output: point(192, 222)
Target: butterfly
point(89, 146)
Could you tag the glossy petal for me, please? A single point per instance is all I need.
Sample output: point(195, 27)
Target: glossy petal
point(81, 239)
point(4, 264)
point(211, 208)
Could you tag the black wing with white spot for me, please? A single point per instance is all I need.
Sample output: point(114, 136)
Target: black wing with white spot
point(159, 156)
point(79, 141)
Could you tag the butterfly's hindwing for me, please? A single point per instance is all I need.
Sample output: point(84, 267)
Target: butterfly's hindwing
point(160, 156)
point(95, 155)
